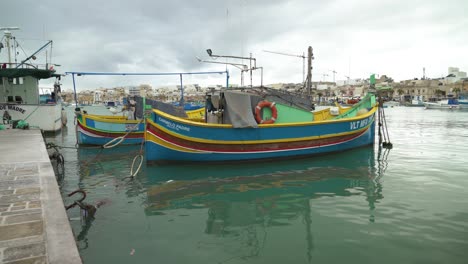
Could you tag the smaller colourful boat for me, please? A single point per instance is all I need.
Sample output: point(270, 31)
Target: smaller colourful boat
point(196, 115)
point(110, 130)
point(103, 129)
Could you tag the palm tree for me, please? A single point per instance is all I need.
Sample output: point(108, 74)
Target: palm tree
point(400, 92)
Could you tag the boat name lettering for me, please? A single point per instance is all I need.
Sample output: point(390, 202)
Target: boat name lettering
point(360, 124)
point(172, 125)
point(13, 108)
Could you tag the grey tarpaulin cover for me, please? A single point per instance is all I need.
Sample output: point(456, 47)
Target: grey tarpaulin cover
point(155, 104)
point(238, 110)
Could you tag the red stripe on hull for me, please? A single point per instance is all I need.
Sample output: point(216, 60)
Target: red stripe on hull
point(113, 134)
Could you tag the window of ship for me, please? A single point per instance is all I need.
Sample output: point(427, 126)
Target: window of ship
point(18, 80)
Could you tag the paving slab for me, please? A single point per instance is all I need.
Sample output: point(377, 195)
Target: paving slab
point(34, 226)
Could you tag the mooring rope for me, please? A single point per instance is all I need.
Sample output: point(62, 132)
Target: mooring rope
point(133, 174)
point(116, 141)
point(140, 155)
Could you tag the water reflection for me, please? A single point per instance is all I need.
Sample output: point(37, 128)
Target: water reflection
point(245, 200)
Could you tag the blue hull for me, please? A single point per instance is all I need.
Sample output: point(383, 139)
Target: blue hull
point(155, 152)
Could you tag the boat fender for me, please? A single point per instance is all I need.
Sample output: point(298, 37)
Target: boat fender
point(258, 112)
point(362, 112)
point(64, 117)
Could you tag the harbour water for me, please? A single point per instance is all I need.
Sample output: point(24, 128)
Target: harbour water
point(369, 205)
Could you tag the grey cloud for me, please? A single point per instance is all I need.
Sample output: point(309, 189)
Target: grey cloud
point(163, 36)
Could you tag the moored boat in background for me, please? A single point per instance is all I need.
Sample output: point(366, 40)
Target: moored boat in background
point(450, 104)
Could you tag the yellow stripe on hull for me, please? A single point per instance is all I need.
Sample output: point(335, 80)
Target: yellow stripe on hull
point(109, 119)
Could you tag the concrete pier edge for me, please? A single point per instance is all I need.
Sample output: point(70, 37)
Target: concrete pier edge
point(30, 235)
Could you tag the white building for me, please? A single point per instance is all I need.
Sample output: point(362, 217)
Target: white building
point(350, 82)
point(97, 97)
point(454, 74)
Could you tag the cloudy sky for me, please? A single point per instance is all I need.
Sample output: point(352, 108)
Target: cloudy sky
point(352, 37)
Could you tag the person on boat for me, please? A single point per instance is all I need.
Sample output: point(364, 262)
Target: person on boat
point(209, 104)
point(131, 107)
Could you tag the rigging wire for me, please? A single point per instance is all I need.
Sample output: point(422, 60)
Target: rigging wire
point(383, 128)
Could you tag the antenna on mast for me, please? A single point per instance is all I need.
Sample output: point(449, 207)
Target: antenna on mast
point(8, 37)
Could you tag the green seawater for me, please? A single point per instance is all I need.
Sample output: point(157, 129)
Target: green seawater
point(369, 205)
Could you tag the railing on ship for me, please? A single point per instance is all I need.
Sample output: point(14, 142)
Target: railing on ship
point(15, 65)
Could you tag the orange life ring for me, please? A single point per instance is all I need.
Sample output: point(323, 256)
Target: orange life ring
point(258, 112)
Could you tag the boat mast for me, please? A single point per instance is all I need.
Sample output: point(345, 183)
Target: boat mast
point(7, 41)
point(310, 57)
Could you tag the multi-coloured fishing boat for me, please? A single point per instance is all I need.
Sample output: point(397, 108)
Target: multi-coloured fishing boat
point(102, 129)
point(247, 125)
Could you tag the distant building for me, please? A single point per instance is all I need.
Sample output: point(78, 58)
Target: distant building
point(97, 97)
point(454, 75)
point(350, 82)
point(134, 91)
